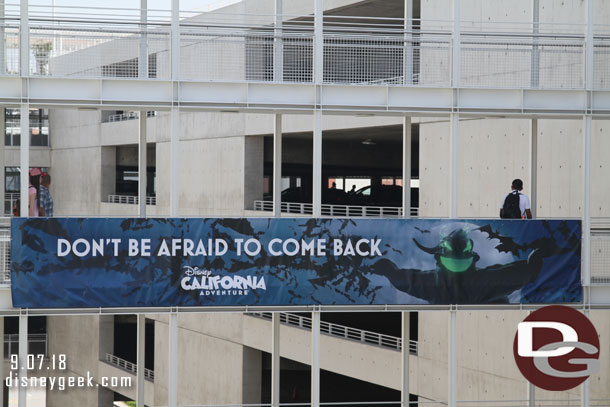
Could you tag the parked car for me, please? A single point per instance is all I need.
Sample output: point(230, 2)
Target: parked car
point(381, 195)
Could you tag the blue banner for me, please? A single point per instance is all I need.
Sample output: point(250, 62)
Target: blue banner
point(70, 262)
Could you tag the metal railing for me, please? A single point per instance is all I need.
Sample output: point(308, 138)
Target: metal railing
point(340, 331)
point(37, 344)
point(129, 366)
point(357, 50)
point(336, 210)
point(129, 116)
point(131, 200)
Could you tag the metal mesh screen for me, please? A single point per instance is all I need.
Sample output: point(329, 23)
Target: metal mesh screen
point(600, 257)
point(5, 252)
point(601, 63)
point(9, 62)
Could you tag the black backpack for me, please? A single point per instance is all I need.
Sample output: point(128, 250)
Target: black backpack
point(511, 209)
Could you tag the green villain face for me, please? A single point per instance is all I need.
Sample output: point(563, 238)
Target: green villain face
point(455, 252)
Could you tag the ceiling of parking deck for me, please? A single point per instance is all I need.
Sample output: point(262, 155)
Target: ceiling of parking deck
point(374, 8)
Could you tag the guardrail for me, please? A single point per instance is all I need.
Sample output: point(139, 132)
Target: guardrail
point(357, 50)
point(131, 200)
point(129, 366)
point(129, 116)
point(340, 331)
point(37, 344)
point(336, 210)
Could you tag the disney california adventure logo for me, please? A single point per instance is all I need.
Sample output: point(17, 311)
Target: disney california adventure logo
point(196, 278)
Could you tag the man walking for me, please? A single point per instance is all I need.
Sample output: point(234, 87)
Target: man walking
point(46, 200)
point(515, 204)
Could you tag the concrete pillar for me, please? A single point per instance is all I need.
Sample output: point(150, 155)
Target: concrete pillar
point(315, 359)
point(106, 336)
point(406, 167)
point(251, 376)
point(142, 164)
point(23, 357)
point(406, 335)
point(140, 358)
point(108, 178)
point(534, 167)
point(275, 360)
point(277, 166)
point(25, 158)
point(317, 164)
point(254, 163)
point(143, 57)
point(172, 388)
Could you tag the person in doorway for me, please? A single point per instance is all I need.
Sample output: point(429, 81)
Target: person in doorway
point(515, 204)
point(34, 192)
point(46, 200)
point(352, 191)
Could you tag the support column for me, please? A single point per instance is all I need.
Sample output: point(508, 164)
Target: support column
point(172, 390)
point(318, 42)
point(142, 164)
point(585, 391)
point(455, 50)
point(175, 111)
point(534, 168)
point(589, 46)
point(406, 167)
point(143, 57)
point(406, 335)
point(453, 169)
point(278, 44)
point(140, 359)
point(23, 357)
point(25, 158)
point(277, 166)
point(2, 42)
point(586, 205)
point(315, 359)
point(2, 158)
point(275, 360)
point(24, 39)
point(452, 391)
point(535, 64)
point(407, 62)
point(317, 164)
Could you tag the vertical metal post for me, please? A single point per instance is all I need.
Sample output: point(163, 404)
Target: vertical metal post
point(406, 335)
point(534, 167)
point(277, 166)
point(140, 359)
point(2, 160)
point(175, 111)
point(453, 168)
point(315, 359)
point(142, 164)
point(407, 62)
point(589, 46)
point(317, 164)
point(23, 357)
point(406, 167)
point(535, 63)
point(318, 39)
point(172, 392)
point(24, 39)
point(586, 206)
point(143, 58)
point(275, 361)
point(25, 158)
point(531, 389)
point(452, 396)
point(278, 46)
point(585, 391)
point(2, 39)
point(455, 51)
point(2, 359)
